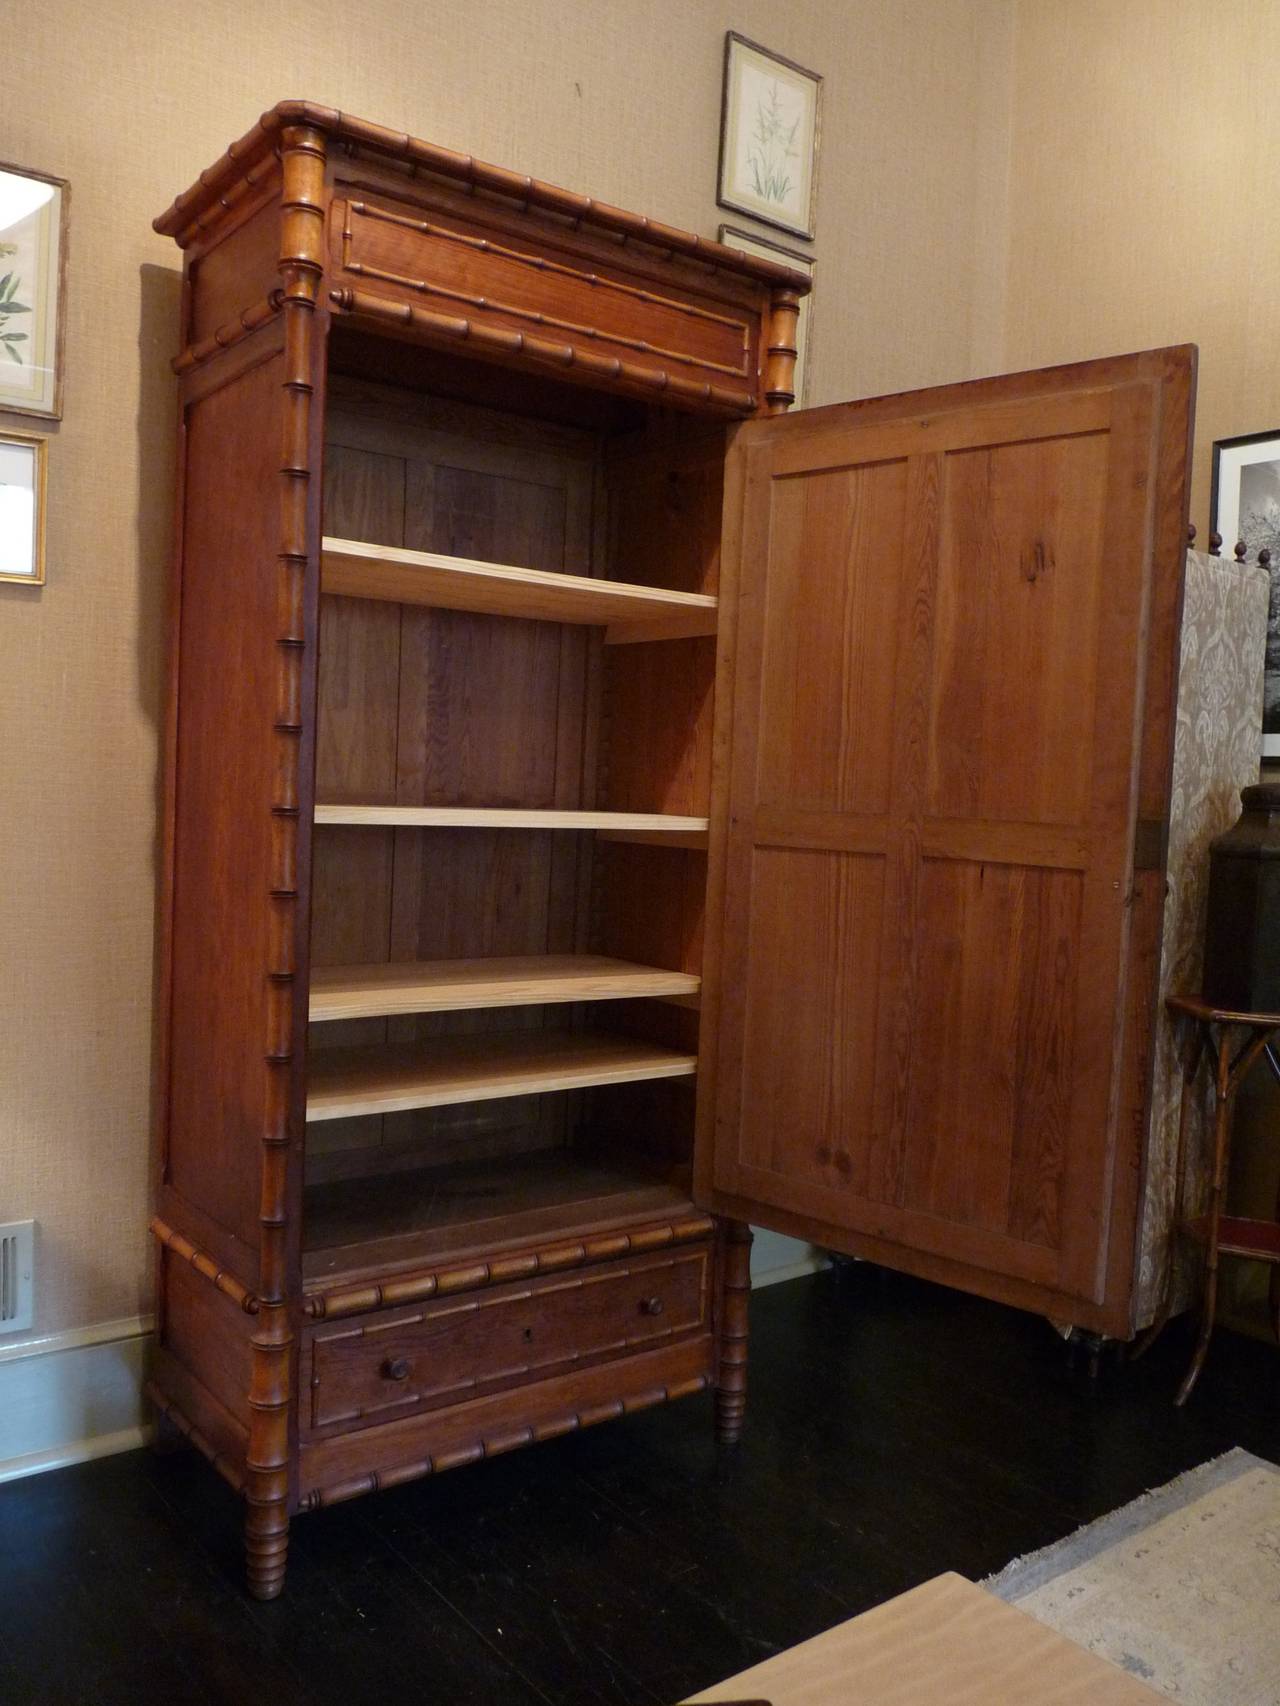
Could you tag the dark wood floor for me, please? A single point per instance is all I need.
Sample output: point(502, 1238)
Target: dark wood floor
point(895, 1430)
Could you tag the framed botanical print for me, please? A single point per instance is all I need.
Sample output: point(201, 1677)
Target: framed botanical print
point(22, 481)
point(769, 125)
point(750, 243)
point(33, 250)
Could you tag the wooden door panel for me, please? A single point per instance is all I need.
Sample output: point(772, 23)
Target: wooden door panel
point(827, 693)
point(803, 1207)
point(933, 696)
point(810, 1029)
point(992, 1091)
point(1015, 630)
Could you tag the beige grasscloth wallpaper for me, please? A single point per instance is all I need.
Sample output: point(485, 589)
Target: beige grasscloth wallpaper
point(1143, 206)
point(1002, 183)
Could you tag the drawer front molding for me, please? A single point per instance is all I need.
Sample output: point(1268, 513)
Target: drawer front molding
point(342, 1465)
point(463, 1347)
point(431, 259)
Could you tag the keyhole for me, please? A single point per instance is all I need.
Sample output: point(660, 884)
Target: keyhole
point(528, 1335)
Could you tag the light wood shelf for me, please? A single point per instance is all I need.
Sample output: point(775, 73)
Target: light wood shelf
point(433, 986)
point(353, 569)
point(386, 1080)
point(621, 824)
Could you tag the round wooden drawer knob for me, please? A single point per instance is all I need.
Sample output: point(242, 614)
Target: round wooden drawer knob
point(651, 1306)
point(396, 1368)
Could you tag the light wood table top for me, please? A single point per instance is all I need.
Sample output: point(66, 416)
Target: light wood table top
point(946, 1643)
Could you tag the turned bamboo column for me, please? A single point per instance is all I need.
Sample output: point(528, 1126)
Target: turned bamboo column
point(302, 158)
point(735, 1297)
point(780, 370)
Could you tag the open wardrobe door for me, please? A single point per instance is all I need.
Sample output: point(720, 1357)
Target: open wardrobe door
point(945, 705)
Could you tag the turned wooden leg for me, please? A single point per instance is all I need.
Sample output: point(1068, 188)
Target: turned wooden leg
point(1223, 1108)
point(266, 1488)
point(735, 1295)
point(266, 1548)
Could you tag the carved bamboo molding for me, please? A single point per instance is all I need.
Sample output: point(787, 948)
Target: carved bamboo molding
point(219, 187)
point(493, 1445)
point(444, 1282)
point(205, 1265)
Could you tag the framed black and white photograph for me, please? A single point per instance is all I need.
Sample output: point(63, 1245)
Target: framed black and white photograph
point(751, 243)
point(769, 130)
point(1244, 503)
point(22, 480)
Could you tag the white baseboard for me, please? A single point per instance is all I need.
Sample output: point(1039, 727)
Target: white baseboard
point(68, 1397)
point(810, 1264)
point(775, 1258)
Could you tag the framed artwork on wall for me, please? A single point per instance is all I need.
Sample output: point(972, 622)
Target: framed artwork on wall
point(752, 244)
point(22, 495)
point(33, 251)
point(1244, 503)
point(769, 127)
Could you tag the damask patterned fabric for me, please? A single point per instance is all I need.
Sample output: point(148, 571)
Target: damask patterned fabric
point(1217, 752)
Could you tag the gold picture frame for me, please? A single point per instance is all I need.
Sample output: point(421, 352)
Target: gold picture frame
point(770, 128)
point(23, 482)
point(34, 219)
point(752, 243)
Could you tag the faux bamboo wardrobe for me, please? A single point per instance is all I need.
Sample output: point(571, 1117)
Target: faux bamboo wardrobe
point(605, 810)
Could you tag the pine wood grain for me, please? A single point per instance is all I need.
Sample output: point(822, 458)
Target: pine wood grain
point(495, 817)
point(1016, 631)
point(346, 1082)
point(349, 992)
point(657, 710)
point(222, 840)
point(359, 666)
point(485, 712)
point(936, 606)
point(354, 569)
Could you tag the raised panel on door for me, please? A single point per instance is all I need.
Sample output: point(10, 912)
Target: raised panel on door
point(948, 631)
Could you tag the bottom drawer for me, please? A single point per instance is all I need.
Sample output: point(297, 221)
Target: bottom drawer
point(375, 1367)
point(342, 1463)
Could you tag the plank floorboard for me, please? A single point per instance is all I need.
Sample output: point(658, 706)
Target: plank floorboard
point(894, 1431)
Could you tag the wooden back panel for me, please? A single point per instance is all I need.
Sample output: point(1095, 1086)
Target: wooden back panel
point(939, 616)
point(419, 706)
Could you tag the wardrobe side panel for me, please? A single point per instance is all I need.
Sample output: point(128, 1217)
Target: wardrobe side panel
point(1171, 493)
point(227, 627)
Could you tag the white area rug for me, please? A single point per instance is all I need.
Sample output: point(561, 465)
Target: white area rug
point(1181, 1587)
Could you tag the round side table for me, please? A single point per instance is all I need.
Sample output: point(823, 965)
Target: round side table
point(1232, 1043)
